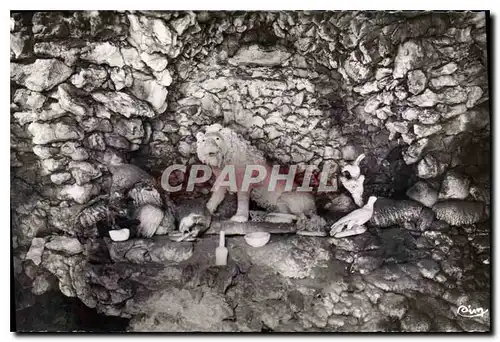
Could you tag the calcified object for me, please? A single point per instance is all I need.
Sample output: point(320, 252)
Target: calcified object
point(313, 225)
point(353, 170)
point(221, 251)
point(154, 212)
point(146, 196)
point(242, 228)
point(150, 217)
point(221, 146)
point(319, 86)
point(144, 192)
point(93, 212)
point(352, 180)
point(257, 239)
point(280, 218)
point(262, 216)
point(119, 234)
point(354, 219)
point(193, 225)
point(458, 213)
point(391, 212)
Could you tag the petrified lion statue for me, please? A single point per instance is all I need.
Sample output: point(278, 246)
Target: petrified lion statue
point(220, 147)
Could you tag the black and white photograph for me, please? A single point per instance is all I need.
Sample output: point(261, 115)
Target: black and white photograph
point(251, 171)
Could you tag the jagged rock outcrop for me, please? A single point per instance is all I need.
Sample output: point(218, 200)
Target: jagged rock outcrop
point(103, 100)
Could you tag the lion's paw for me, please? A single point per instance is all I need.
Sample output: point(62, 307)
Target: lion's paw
point(239, 218)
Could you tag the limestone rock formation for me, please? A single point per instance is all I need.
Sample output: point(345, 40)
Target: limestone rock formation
point(455, 185)
point(104, 100)
point(458, 212)
point(43, 74)
point(424, 193)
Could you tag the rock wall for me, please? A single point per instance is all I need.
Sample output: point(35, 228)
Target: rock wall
point(94, 89)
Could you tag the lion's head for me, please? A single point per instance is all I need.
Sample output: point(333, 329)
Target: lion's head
point(211, 146)
point(220, 146)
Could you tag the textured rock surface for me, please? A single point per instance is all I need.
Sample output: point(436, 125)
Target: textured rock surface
point(142, 251)
point(393, 305)
point(64, 244)
point(458, 213)
point(93, 90)
point(42, 75)
point(388, 212)
point(455, 185)
point(424, 193)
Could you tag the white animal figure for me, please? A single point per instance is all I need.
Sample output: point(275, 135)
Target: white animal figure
point(352, 180)
point(221, 146)
point(355, 218)
point(353, 170)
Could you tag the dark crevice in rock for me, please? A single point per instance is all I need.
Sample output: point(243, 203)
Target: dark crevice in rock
point(94, 89)
point(54, 312)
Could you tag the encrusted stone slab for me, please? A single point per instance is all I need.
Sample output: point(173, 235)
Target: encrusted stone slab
point(457, 213)
point(242, 228)
point(388, 212)
point(257, 55)
point(158, 249)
